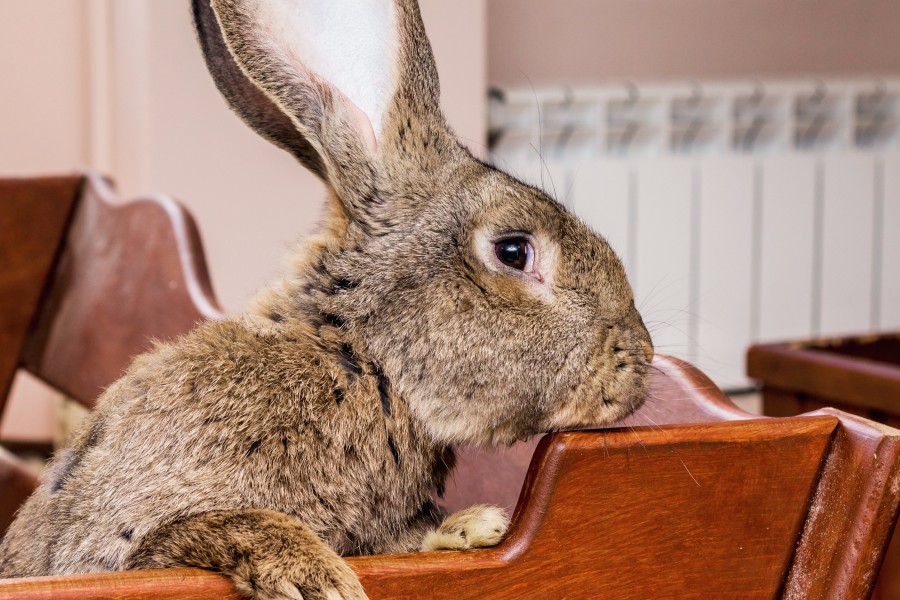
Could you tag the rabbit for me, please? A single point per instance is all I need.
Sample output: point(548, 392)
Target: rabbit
point(442, 302)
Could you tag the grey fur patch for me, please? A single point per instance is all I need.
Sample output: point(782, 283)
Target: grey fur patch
point(67, 463)
point(70, 459)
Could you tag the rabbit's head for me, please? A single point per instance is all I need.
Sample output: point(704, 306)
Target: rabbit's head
point(487, 306)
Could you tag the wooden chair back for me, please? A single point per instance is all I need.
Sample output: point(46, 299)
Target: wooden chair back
point(859, 375)
point(688, 498)
point(94, 280)
point(87, 282)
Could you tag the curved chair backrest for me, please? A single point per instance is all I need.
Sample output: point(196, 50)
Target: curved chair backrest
point(105, 279)
point(88, 282)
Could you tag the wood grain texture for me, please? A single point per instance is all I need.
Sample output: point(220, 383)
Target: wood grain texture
point(861, 376)
point(34, 215)
point(853, 512)
point(130, 272)
point(162, 584)
point(687, 511)
point(823, 368)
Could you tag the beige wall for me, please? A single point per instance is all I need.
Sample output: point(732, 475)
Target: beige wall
point(120, 86)
point(43, 102)
point(576, 41)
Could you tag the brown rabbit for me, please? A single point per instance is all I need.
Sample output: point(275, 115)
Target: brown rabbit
point(443, 303)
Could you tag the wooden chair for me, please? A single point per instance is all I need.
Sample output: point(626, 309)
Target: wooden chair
point(86, 282)
point(859, 375)
point(688, 498)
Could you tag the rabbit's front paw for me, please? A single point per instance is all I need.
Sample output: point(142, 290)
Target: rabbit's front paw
point(311, 579)
point(268, 555)
point(478, 526)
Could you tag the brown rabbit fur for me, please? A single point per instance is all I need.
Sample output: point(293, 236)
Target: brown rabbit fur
point(322, 422)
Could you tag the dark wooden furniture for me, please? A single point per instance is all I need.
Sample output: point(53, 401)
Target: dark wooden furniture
point(858, 375)
point(688, 498)
point(86, 282)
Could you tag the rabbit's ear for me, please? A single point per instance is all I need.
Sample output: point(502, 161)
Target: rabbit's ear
point(247, 100)
point(323, 77)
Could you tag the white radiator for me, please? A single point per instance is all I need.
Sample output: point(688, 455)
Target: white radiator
point(745, 211)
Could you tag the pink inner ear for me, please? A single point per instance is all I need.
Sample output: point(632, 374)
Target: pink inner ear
point(361, 122)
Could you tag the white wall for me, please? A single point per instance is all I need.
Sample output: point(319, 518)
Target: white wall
point(120, 86)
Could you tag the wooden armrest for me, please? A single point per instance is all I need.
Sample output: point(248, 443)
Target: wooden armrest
point(682, 510)
point(860, 373)
point(158, 584)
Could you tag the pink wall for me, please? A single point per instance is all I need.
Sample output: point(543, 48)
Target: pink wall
point(552, 41)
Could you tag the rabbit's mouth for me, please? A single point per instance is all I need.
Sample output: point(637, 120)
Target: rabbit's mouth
point(599, 407)
point(614, 384)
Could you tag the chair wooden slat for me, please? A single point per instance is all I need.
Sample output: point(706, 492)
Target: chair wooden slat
point(859, 375)
point(827, 369)
point(129, 273)
point(34, 216)
point(852, 515)
point(157, 584)
point(87, 282)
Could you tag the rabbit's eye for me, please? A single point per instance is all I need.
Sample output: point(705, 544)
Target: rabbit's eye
point(516, 253)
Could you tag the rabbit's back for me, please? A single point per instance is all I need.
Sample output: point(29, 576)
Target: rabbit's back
point(236, 414)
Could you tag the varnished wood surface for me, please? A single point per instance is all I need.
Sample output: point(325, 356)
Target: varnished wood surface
point(34, 216)
point(819, 368)
point(853, 512)
point(680, 511)
point(858, 375)
point(130, 272)
point(161, 584)
point(687, 511)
